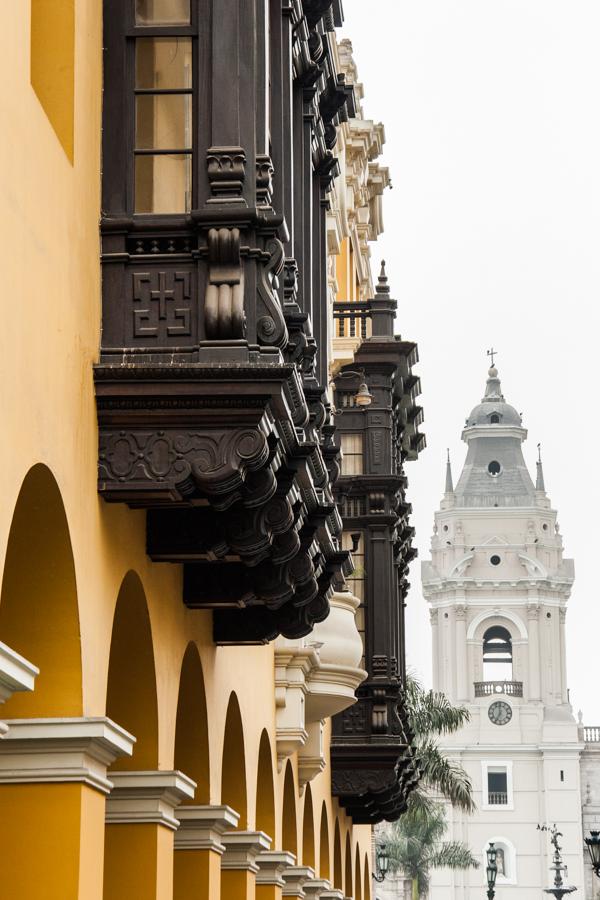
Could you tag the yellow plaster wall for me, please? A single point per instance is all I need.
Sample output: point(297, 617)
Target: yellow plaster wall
point(53, 64)
point(49, 212)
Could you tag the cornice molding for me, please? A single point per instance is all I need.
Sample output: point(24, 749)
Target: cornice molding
point(147, 797)
point(202, 827)
point(76, 750)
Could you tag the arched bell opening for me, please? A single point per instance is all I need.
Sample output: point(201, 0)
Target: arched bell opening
point(497, 654)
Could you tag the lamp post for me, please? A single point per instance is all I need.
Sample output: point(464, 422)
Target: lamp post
point(492, 870)
point(363, 397)
point(382, 862)
point(593, 844)
point(559, 889)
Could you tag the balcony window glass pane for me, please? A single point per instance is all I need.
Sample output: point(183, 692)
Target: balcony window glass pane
point(163, 184)
point(163, 63)
point(163, 121)
point(352, 450)
point(356, 582)
point(162, 12)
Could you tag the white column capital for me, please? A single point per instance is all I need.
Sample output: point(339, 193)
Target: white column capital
point(149, 797)
point(333, 894)
point(77, 750)
point(16, 673)
point(242, 848)
point(202, 827)
point(317, 889)
point(295, 877)
point(271, 865)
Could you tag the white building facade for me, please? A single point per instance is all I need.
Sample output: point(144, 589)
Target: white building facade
point(497, 585)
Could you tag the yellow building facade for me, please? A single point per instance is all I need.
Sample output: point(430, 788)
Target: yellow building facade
point(140, 759)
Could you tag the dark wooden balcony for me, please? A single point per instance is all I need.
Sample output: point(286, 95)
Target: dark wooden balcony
point(211, 386)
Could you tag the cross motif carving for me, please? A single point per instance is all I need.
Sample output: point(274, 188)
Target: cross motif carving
point(162, 295)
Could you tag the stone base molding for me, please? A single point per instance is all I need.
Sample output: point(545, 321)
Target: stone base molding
point(202, 827)
point(149, 797)
point(295, 878)
point(242, 849)
point(317, 889)
point(16, 673)
point(271, 866)
point(76, 750)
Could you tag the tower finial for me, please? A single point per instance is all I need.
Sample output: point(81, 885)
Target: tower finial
point(539, 481)
point(382, 282)
point(449, 489)
point(492, 353)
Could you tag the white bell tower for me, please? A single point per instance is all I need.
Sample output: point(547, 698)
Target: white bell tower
point(497, 585)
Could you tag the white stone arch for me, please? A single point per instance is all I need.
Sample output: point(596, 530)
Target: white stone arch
point(495, 614)
point(510, 859)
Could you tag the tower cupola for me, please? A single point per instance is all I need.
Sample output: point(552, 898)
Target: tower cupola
point(495, 473)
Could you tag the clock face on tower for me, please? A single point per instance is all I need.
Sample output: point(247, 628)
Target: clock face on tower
point(500, 713)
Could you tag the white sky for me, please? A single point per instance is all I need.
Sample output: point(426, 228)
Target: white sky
point(492, 118)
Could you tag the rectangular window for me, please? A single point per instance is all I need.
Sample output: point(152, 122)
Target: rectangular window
point(497, 784)
point(352, 453)
point(497, 787)
point(163, 118)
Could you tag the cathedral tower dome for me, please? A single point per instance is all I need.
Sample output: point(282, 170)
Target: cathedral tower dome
point(495, 473)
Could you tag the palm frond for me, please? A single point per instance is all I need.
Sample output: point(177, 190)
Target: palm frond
point(453, 855)
point(431, 712)
point(447, 777)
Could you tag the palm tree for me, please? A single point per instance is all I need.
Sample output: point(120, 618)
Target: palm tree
point(415, 846)
point(430, 713)
point(415, 842)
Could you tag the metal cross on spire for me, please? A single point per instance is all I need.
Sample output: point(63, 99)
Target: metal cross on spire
point(492, 353)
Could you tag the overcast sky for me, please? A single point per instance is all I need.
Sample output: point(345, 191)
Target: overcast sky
point(492, 236)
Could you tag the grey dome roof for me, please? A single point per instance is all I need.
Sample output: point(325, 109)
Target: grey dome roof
point(493, 403)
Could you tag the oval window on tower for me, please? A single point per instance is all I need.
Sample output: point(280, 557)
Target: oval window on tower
point(494, 468)
point(495, 560)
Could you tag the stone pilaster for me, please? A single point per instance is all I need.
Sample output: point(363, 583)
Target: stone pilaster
point(53, 772)
point(239, 864)
point(198, 850)
point(140, 823)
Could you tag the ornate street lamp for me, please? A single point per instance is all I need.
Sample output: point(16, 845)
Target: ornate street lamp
point(362, 397)
point(492, 870)
point(382, 862)
point(593, 845)
point(559, 889)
